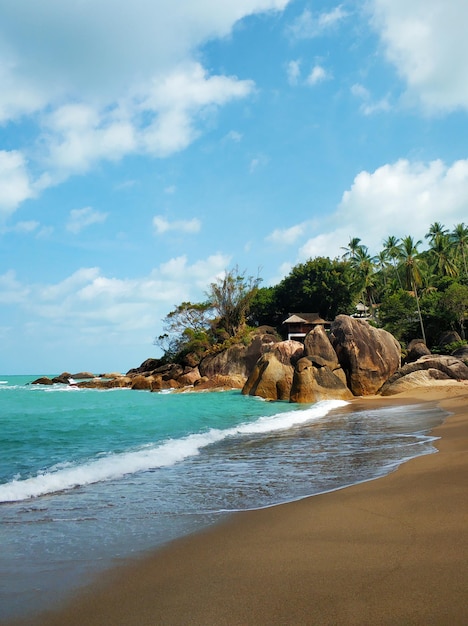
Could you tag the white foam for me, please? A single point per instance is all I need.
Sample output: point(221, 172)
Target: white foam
point(168, 453)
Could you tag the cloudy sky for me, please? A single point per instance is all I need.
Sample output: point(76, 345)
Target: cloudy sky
point(146, 147)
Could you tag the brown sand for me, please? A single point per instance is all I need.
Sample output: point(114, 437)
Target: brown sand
point(389, 551)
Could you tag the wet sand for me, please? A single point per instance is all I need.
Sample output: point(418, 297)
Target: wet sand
point(389, 551)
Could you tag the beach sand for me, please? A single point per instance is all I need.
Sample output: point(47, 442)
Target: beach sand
point(389, 551)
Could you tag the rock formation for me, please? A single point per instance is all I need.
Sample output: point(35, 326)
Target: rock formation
point(416, 349)
point(240, 359)
point(424, 371)
point(272, 375)
point(368, 355)
point(314, 380)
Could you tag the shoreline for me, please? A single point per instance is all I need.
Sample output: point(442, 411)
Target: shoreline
point(390, 550)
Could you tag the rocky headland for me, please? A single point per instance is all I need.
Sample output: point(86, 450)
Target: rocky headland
point(353, 359)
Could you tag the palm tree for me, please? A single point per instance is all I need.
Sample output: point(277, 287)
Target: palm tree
point(441, 251)
point(459, 238)
point(409, 256)
point(382, 261)
point(392, 247)
point(435, 230)
point(363, 265)
point(352, 248)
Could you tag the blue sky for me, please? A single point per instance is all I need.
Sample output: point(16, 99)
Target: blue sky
point(146, 147)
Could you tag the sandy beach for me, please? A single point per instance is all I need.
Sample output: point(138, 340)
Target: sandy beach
point(390, 551)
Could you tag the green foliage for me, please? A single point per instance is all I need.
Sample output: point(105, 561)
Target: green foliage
point(263, 308)
point(398, 314)
point(318, 285)
point(231, 297)
point(455, 302)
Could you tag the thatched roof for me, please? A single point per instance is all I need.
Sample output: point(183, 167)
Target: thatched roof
point(305, 318)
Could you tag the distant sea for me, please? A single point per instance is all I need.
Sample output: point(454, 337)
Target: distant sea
point(91, 477)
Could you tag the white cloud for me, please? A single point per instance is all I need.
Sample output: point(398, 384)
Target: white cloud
point(309, 25)
point(87, 297)
point(287, 236)
point(82, 218)
point(426, 41)
point(162, 225)
point(403, 198)
point(97, 98)
point(317, 75)
point(15, 183)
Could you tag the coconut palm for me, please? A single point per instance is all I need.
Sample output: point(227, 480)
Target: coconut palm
point(436, 230)
point(413, 276)
point(363, 265)
point(392, 247)
point(441, 253)
point(352, 248)
point(459, 237)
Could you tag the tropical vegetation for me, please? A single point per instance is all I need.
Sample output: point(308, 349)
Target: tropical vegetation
point(411, 290)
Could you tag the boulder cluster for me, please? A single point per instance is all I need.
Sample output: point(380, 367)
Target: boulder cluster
point(353, 359)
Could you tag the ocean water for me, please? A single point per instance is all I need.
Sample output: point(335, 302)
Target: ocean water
point(91, 477)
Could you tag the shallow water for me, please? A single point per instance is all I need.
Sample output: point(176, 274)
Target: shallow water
point(89, 477)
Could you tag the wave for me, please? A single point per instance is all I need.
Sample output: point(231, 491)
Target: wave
point(150, 457)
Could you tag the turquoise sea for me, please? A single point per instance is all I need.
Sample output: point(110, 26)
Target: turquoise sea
point(91, 477)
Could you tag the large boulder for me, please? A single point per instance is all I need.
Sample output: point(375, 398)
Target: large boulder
point(239, 359)
point(368, 355)
point(272, 375)
point(423, 371)
point(416, 349)
point(317, 343)
point(314, 380)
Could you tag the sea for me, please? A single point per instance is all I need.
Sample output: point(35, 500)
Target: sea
point(90, 478)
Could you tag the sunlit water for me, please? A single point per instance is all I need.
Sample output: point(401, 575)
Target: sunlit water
point(89, 477)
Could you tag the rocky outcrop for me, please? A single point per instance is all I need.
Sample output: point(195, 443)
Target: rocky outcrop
point(238, 360)
point(272, 375)
point(424, 371)
point(314, 380)
point(368, 355)
point(462, 354)
point(416, 349)
point(318, 345)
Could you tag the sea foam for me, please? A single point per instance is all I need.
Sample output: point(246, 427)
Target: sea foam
point(169, 452)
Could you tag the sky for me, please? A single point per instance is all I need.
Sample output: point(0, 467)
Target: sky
point(148, 147)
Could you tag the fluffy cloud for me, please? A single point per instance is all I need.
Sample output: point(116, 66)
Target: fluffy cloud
point(15, 183)
point(403, 198)
point(162, 225)
point(287, 236)
point(104, 88)
point(426, 41)
point(317, 75)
